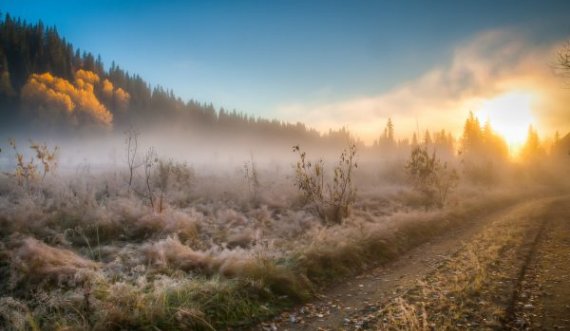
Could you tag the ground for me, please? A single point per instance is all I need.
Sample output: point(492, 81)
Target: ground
point(543, 296)
point(506, 270)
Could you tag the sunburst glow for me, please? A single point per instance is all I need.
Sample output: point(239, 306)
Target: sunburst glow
point(510, 115)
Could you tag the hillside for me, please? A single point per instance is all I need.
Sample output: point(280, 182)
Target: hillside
point(48, 84)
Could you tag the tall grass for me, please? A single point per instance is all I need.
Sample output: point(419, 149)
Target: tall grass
point(90, 255)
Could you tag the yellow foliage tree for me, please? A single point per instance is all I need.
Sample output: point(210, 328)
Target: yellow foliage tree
point(77, 100)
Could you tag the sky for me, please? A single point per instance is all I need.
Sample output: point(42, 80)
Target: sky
point(327, 63)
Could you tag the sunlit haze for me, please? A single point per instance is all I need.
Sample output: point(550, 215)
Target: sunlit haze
point(510, 115)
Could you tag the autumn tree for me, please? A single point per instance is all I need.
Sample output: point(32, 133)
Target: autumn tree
point(75, 101)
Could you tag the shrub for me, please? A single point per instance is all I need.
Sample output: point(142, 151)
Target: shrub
point(432, 178)
point(132, 146)
point(150, 160)
point(26, 173)
point(251, 177)
point(332, 201)
point(173, 180)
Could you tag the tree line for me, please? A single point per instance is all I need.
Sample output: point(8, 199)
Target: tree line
point(32, 53)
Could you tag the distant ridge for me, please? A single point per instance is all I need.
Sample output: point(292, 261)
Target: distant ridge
point(43, 79)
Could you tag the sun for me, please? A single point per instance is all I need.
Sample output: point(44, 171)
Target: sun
point(510, 115)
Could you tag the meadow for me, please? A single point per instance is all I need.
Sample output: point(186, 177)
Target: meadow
point(176, 246)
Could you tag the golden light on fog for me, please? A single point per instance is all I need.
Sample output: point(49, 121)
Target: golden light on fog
point(510, 115)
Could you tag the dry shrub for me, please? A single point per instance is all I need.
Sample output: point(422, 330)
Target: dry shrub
point(332, 200)
point(432, 178)
point(32, 262)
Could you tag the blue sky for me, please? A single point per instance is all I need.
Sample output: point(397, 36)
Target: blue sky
point(257, 56)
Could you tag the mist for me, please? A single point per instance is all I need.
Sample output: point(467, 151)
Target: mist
point(434, 203)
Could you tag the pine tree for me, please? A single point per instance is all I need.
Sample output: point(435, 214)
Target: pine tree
point(532, 148)
point(471, 140)
point(427, 138)
point(390, 130)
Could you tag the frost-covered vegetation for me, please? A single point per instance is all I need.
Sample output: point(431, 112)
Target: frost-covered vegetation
point(162, 244)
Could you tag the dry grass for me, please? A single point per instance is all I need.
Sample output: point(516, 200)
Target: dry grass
point(471, 290)
point(34, 264)
point(102, 259)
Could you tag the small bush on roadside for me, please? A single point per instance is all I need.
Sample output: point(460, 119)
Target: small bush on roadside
point(432, 178)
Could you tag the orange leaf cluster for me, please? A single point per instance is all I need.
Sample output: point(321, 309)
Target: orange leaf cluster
point(122, 97)
point(77, 99)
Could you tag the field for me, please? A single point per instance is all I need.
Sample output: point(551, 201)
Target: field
point(234, 247)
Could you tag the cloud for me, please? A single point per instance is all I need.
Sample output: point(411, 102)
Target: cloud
point(77, 100)
point(489, 65)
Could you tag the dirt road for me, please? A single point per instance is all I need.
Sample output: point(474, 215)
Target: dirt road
point(507, 270)
point(542, 297)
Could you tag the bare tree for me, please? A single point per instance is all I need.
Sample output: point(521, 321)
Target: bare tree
point(150, 160)
point(252, 179)
point(562, 65)
point(132, 145)
point(564, 56)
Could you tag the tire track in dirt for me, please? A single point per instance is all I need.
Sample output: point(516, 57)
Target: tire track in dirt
point(510, 320)
point(542, 299)
point(366, 293)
